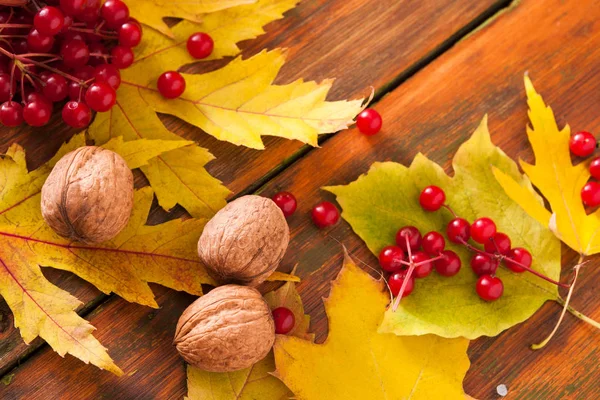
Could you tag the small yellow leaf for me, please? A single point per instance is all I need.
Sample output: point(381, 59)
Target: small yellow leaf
point(281, 276)
point(356, 362)
point(557, 179)
point(152, 12)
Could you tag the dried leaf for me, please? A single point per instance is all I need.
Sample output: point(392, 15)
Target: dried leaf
point(164, 254)
point(356, 362)
point(387, 198)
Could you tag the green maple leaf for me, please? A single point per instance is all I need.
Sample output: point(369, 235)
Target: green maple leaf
point(386, 199)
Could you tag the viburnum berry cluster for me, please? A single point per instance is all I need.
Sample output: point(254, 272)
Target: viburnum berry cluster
point(583, 144)
point(415, 256)
point(54, 51)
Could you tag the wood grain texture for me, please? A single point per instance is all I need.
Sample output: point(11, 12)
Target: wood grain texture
point(559, 44)
point(325, 39)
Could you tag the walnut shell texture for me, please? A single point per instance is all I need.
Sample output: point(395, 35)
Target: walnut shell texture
point(245, 241)
point(88, 196)
point(229, 329)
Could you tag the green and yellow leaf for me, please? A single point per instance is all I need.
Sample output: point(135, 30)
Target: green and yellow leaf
point(140, 254)
point(386, 199)
point(357, 362)
point(556, 178)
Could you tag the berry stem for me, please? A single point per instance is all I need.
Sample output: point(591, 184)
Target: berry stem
point(447, 207)
point(411, 268)
point(564, 310)
point(28, 26)
point(102, 34)
point(422, 262)
point(578, 314)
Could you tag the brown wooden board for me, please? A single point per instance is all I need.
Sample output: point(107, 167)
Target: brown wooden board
point(434, 112)
point(361, 43)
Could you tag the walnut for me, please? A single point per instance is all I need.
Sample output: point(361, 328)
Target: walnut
point(88, 196)
point(245, 241)
point(229, 329)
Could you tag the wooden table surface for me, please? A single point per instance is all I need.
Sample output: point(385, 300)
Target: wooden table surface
point(437, 67)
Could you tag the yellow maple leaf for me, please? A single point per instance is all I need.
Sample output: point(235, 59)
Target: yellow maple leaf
point(256, 382)
point(356, 362)
point(179, 177)
point(164, 254)
point(556, 178)
point(152, 12)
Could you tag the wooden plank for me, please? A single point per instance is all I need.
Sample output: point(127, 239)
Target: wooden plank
point(434, 112)
point(326, 38)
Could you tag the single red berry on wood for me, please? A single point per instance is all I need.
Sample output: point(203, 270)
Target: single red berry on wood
point(425, 267)
point(498, 244)
point(449, 264)
point(395, 282)
point(458, 230)
point(590, 194)
point(284, 320)
point(171, 84)
point(49, 20)
point(115, 13)
point(200, 45)
point(433, 243)
point(482, 264)
point(489, 288)
point(325, 214)
point(100, 96)
point(130, 34)
point(121, 57)
point(582, 144)
point(482, 229)
point(432, 198)
point(56, 88)
point(414, 238)
point(37, 112)
point(595, 168)
point(109, 74)
point(518, 255)
point(287, 202)
point(369, 122)
point(390, 258)
point(76, 114)
point(11, 114)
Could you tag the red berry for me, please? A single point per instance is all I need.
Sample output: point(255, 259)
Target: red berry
point(519, 255)
point(84, 73)
point(76, 114)
point(75, 53)
point(130, 34)
point(432, 198)
point(73, 35)
point(76, 91)
point(449, 264)
point(498, 244)
point(413, 235)
point(287, 202)
point(395, 282)
point(98, 54)
point(100, 96)
point(37, 112)
point(121, 56)
point(458, 230)
point(590, 194)
point(284, 320)
point(200, 45)
point(20, 46)
point(369, 122)
point(482, 264)
point(67, 22)
point(489, 288)
point(6, 87)
point(91, 12)
point(390, 257)
point(49, 21)
point(109, 74)
point(433, 243)
point(72, 7)
point(582, 144)
point(482, 229)
point(38, 42)
point(425, 268)
point(595, 168)
point(325, 214)
point(56, 88)
point(115, 13)
point(171, 84)
point(11, 114)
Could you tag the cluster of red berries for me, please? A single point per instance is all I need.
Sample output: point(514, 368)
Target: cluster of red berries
point(583, 144)
point(324, 214)
point(71, 50)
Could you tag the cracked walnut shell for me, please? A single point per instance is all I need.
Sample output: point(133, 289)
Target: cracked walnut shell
point(88, 196)
point(229, 329)
point(245, 241)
